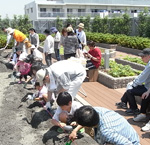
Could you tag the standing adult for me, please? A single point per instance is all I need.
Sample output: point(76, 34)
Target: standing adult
point(48, 47)
point(62, 76)
point(57, 38)
point(94, 55)
point(70, 44)
point(34, 37)
point(81, 36)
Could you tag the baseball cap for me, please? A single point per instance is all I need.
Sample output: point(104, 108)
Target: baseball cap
point(53, 29)
point(145, 51)
point(40, 75)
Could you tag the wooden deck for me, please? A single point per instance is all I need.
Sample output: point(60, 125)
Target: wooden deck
point(99, 95)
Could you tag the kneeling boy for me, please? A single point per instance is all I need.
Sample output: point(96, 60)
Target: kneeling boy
point(65, 108)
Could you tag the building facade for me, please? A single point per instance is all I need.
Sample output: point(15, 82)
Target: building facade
point(51, 9)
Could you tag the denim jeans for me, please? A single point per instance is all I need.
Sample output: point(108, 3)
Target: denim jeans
point(57, 54)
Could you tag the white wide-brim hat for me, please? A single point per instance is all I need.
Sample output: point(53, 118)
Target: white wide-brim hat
point(81, 25)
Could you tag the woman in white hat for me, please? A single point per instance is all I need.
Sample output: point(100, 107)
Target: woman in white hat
point(81, 35)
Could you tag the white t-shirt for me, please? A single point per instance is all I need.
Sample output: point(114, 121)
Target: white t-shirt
point(75, 105)
point(37, 54)
point(49, 45)
point(43, 91)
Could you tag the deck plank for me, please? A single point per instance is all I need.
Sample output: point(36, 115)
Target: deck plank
point(99, 95)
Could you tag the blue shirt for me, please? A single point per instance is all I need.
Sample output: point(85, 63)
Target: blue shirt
point(143, 77)
point(114, 129)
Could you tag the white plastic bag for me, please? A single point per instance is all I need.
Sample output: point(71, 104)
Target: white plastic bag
point(129, 86)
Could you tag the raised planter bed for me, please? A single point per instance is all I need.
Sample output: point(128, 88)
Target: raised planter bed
point(108, 46)
point(132, 64)
point(112, 54)
point(128, 50)
point(112, 82)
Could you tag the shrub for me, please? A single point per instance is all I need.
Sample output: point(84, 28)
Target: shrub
point(120, 39)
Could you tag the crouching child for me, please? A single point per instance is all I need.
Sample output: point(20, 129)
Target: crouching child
point(22, 68)
point(41, 95)
point(66, 108)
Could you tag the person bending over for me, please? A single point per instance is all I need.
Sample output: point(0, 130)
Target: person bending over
point(110, 127)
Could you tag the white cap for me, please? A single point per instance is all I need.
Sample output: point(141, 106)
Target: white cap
point(40, 75)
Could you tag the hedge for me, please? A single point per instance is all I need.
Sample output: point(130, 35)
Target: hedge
point(122, 40)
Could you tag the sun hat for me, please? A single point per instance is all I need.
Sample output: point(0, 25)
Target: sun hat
point(145, 51)
point(69, 29)
point(81, 25)
point(40, 75)
point(23, 56)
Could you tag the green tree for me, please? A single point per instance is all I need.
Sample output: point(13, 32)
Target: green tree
point(142, 22)
point(59, 24)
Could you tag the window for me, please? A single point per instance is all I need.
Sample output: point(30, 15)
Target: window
point(69, 10)
point(94, 10)
point(56, 10)
point(42, 9)
point(31, 10)
point(27, 11)
point(81, 10)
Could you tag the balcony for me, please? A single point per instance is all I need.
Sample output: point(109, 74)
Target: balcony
point(65, 15)
point(54, 15)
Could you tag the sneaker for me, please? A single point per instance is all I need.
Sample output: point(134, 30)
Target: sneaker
point(132, 112)
point(122, 105)
point(139, 117)
point(146, 127)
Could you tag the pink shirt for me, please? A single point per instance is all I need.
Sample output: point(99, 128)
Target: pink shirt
point(23, 67)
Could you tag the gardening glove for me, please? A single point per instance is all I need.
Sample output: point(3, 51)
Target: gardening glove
point(129, 86)
point(18, 74)
point(30, 97)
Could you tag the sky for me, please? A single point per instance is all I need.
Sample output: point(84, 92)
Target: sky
point(11, 7)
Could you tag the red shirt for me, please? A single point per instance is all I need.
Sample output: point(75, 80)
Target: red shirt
point(96, 52)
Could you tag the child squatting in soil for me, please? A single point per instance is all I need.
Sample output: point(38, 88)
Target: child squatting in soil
point(22, 68)
point(65, 108)
point(41, 95)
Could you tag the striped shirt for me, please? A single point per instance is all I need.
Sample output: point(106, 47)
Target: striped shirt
point(114, 129)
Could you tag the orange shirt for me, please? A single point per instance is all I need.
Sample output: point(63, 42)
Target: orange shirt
point(19, 36)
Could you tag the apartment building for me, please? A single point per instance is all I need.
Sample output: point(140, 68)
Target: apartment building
point(51, 9)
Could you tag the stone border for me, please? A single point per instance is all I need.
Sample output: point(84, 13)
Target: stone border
point(112, 82)
point(105, 45)
point(128, 50)
point(132, 64)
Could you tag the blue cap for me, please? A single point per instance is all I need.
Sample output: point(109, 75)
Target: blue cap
point(53, 29)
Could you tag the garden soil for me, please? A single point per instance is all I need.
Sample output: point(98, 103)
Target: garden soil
point(24, 122)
